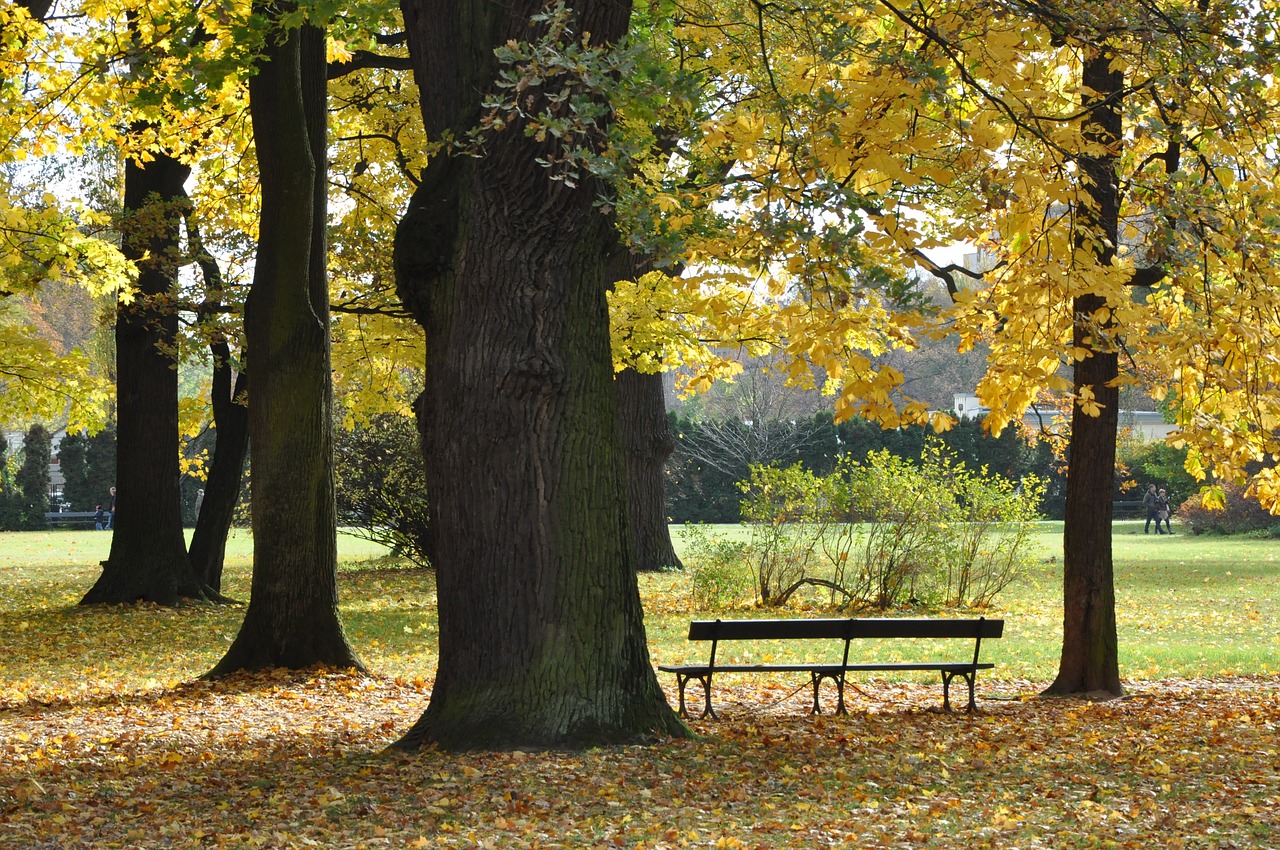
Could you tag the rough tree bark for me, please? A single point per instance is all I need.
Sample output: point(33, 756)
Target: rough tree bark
point(148, 558)
point(541, 633)
point(292, 618)
point(647, 442)
point(1090, 647)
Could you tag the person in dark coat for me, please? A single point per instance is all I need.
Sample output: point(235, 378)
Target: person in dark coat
point(1162, 512)
point(1149, 502)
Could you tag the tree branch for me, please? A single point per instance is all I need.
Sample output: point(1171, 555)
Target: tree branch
point(362, 59)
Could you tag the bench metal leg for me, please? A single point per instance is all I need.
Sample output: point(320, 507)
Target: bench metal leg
point(838, 678)
point(947, 676)
point(682, 679)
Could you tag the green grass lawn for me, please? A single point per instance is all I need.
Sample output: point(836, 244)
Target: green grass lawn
point(107, 740)
point(1187, 607)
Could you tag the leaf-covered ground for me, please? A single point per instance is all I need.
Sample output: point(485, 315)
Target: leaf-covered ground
point(299, 761)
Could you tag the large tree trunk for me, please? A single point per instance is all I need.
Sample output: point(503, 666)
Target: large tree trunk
point(1090, 653)
point(292, 618)
point(647, 442)
point(148, 559)
point(226, 469)
point(541, 633)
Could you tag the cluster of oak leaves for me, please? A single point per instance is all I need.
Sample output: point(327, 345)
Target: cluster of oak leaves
point(299, 760)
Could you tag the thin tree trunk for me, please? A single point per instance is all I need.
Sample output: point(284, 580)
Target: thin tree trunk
point(541, 632)
point(231, 433)
point(292, 618)
point(226, 469)
point(1090, 647)
point(148, 558)
point(647, 442)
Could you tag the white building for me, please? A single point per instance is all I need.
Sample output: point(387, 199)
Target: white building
point(1149, 424)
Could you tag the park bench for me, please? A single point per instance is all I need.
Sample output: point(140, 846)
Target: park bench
point(1128, 508)
point(70, 519)
point(846, 631)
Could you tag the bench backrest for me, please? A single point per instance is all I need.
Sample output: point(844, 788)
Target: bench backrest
point(847, 629)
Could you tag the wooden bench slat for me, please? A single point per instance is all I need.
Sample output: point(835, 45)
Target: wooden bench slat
point(697, 669)
point(885, 627)
point(804, 668)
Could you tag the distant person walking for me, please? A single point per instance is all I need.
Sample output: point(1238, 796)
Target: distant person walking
point(99, 519)
point(111, 509)
point(1149, 502)
point(1162, 512)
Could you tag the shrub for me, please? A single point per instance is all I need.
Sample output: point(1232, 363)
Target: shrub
point(779, 509)
point(884, 531)
point(899, 516)
point(989, 531)
point(1239, 516)
point(381, 486)
point(718, 569)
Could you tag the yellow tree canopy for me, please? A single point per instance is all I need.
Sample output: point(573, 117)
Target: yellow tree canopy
point(863, 138)
point(73, 89)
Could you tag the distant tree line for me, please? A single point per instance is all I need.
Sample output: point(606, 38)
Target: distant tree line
point(712, 456)
point(379, 469)
point(88, 465)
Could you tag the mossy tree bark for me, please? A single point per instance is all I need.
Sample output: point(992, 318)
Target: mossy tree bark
point(1090, 647)
point(148, 559)
point(541, 635)
point(292, 617)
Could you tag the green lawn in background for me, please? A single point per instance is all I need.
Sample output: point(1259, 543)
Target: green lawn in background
point(1187, 607)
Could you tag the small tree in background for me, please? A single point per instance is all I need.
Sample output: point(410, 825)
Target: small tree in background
point(33, 477)
point(75, 479)
point(100, 463)
point(1158, 463)
point(381, 486)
